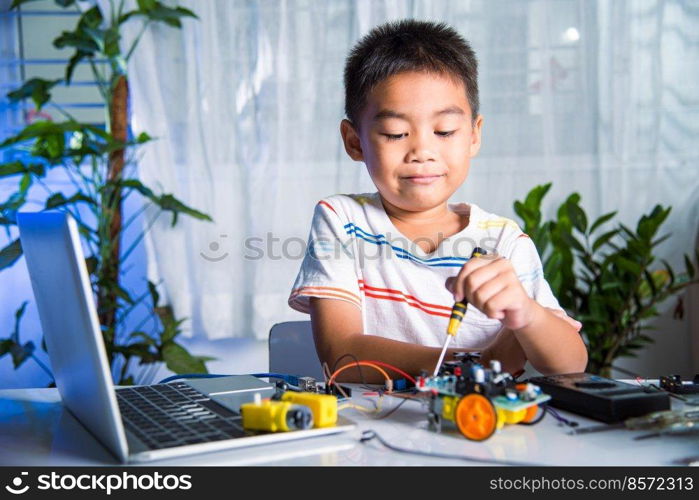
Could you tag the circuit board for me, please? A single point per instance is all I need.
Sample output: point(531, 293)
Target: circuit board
point(517, 405)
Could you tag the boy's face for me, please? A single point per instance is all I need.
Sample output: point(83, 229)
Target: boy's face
point(417, 139)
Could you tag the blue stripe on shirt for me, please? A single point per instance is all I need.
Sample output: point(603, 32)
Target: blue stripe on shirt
point(380, 239)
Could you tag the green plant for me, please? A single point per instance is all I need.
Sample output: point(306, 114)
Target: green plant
point(609, 279)
point(99, 162)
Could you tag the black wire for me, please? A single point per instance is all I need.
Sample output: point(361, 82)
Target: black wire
point(688, 401)
point(685, 400)
point(392, 410)
point(370, 434)
point(557, 416)
point(359, 367)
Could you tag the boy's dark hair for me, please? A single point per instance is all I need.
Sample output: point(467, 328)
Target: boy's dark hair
point(408, 45)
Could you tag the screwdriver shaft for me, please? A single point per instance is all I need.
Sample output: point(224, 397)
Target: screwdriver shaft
point(441, 356)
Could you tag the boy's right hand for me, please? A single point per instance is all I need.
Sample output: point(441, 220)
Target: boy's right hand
point(491, 285)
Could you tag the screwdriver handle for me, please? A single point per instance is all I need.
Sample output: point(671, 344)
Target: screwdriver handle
point(457, 315)
point(459, 309)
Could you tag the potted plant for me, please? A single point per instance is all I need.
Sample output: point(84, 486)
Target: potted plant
point(609, 279)
point(100, 165)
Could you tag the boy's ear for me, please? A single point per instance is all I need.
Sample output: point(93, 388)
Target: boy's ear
point(350, 138)
point(476, 130)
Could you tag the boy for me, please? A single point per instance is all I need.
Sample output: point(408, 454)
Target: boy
point(383, 270)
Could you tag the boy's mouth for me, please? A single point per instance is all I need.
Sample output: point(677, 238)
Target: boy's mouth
point(422, 179)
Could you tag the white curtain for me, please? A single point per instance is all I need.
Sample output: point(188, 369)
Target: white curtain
point(600, 97)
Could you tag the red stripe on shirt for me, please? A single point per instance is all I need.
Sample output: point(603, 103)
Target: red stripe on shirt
point(323, 202)
point(326, 292)
point(403, 299)
point(362, 284)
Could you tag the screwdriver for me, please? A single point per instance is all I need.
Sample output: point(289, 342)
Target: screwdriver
point(457, 315)
point(656, 420)
point(677, 428)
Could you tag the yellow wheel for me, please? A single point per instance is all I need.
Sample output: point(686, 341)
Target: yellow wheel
point(475, 417)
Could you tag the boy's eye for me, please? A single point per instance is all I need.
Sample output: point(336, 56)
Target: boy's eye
point(446, 133)
point(394, 137)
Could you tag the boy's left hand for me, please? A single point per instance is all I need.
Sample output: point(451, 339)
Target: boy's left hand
point(491, 285)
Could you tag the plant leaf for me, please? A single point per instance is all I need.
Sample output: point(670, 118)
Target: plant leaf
point(18, 318)
point(17, 167)
point(651, 284)
point(147, 339)
point(179, 360)
point(17, 3)
point(123, 293)
point(73, 62)
point(20, 353)
point(155, 296)
point(85, 41)
point(10, 254)
point(649, 224)
point(577, 217)
point(573, 242)
point(670, 272)
point(143, 137)
point(59, 199)
point(138, 186)
point(205, 359)
point(536, 195)
point(660, 240)
point(91, 263)
point(5, 346)
point(169, 203)
point(601, 220)
point(157, 11)
point(599, 242)
point(36, 88)
point(146, 5)
point(628, 265)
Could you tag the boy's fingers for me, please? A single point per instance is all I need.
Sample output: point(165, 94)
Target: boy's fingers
point(496, 305)
point(474, 275)
point(455, 284)
point(488, 291)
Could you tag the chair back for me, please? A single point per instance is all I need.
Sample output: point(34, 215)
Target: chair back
point(292, 350)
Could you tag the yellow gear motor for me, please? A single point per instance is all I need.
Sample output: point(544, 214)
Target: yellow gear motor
point(323, 406)
point(276, 416)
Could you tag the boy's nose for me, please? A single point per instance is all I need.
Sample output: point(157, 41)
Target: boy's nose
point(420, 156)
point(420, 151)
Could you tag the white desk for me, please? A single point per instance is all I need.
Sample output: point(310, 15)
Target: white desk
point(36, 430)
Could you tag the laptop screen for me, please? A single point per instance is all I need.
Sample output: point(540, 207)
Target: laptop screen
point(68, 315)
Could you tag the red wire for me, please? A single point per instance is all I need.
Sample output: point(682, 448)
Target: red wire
point(394, 368)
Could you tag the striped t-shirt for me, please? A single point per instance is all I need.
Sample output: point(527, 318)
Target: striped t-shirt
point(356, 254)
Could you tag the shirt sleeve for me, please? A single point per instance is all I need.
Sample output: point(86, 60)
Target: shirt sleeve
point(328, 270)
point(525, 259)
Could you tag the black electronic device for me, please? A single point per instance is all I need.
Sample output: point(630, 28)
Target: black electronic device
point(601, 398)
point(675, 384)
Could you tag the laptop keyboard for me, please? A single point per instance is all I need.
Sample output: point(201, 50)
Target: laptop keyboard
point(175, 414)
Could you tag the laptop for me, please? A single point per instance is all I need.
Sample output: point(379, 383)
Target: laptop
point(135, 423)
